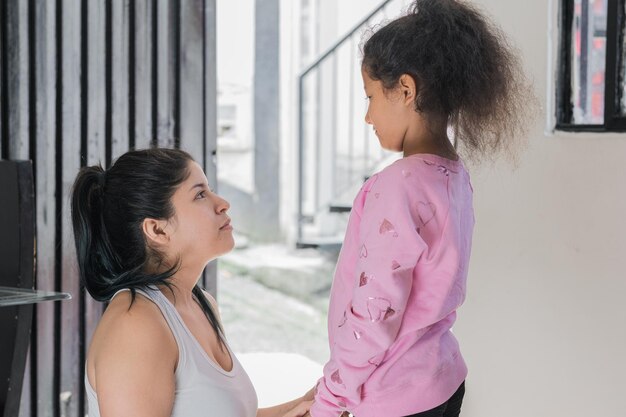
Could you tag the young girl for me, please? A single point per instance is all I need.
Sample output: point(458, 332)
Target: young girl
point(401, 274)
point(144, 230)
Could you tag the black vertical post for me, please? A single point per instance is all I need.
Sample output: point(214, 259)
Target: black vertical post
point(613, 113)
point(4, 83)
point(108, 71)
point(131, 74)
point(564, 85)
point(58, 231)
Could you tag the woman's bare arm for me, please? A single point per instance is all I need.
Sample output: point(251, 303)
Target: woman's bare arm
point(135, 364)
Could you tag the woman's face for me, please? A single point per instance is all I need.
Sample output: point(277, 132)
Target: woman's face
point(200, 228)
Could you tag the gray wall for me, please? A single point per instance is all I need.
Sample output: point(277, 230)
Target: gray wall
point(81, 82)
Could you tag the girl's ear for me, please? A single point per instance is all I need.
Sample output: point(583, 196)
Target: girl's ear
point(155, 231)
point(408, 88)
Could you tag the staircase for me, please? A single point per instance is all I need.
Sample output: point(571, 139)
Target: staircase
point(337, 151)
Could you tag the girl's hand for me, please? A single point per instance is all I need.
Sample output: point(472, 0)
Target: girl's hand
point(300, 410)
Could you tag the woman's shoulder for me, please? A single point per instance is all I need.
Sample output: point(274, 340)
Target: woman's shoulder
point(123, 304)
point(132, 325)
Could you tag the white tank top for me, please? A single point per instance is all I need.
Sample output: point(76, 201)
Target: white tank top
point(203, 387)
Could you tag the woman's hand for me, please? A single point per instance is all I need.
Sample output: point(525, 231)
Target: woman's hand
point(300, 410)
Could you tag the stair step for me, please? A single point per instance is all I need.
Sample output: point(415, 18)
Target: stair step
point(340, 208)
point(327, 243)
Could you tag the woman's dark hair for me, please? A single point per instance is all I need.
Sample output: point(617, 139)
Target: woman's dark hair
point(464, 69)
point(108, 210)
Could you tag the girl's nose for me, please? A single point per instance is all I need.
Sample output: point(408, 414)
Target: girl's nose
point(368, 120)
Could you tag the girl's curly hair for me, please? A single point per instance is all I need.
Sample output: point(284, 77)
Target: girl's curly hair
point(465, 69)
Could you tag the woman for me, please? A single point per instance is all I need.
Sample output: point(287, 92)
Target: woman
point(144, 231)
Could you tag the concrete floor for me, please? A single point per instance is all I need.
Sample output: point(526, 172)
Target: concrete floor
point(275, 318)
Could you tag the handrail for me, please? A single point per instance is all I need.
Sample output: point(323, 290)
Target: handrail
point(301, 78)
point(347, 36)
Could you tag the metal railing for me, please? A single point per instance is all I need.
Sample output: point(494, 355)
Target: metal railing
point(337, 150)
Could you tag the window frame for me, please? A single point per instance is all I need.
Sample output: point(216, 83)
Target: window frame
point(613, 121)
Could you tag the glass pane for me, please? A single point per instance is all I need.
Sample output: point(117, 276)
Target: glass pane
point(588, 61)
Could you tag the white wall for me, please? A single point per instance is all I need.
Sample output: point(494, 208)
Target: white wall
point(544, 327)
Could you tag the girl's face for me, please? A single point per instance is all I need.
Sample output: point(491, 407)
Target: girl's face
point(386, 112)
point(201, 229)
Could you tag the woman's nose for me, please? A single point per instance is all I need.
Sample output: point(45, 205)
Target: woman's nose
point(222, 205)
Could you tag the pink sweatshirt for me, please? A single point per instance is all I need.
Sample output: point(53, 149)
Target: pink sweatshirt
point(399, 280)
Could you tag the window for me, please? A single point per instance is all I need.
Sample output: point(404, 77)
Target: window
point(591, 93)
point(226, 120)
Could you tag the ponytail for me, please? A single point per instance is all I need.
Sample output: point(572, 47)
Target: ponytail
point(97, 261)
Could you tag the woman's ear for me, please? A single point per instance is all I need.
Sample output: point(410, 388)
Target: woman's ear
point(408, 88)
point(155, 231)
